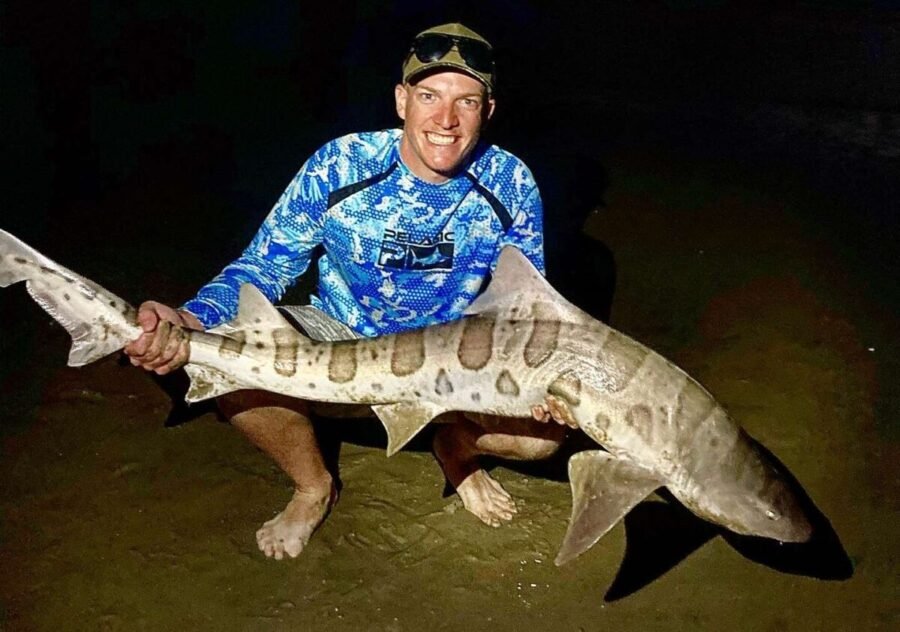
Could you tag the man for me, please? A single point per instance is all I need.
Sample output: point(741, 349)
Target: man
point(411, 222)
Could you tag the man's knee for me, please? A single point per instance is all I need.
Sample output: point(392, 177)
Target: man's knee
point(519, 439)
point(237, 402)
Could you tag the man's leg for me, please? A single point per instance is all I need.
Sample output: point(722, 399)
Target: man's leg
point(280, 427)
point(459, 445)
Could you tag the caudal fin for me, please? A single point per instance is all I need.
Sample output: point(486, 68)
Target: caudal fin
point(98, 321)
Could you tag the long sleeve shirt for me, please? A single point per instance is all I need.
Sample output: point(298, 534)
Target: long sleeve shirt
point(399, 252)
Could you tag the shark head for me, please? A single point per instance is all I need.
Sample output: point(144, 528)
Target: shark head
point(777, 513)
point(757, 497)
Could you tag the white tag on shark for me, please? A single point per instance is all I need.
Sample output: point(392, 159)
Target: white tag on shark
point(604, 489)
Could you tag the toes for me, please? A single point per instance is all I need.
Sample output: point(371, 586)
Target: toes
point(486, 499)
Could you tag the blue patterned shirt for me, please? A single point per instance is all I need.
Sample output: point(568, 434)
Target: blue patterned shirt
point(399, 252)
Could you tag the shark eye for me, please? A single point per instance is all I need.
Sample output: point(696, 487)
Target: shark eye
point(771, 515)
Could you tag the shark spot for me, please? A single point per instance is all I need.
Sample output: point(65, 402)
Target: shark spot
point(622, 357)
point(260, 345)
point(542, 342)
point(232, 345)
point(312, 385)
point(476, 343)
point(640, 418)
point(342, 364)
point(377, 387)
point(409, 353)
point(692, 406)
point(373, 352)
point(443, 385)
point(600, 430)
point(287, 345)
point(476, 397)
point(114, 305)
point(567, 387)
point(506, 385)
point(66, 296)
point(254, 369)
point(20, 260)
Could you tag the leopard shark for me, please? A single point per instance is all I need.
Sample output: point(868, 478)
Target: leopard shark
point(519, 344)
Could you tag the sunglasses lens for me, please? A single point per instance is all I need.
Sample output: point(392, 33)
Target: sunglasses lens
point(430, 48)
point(477, 55)
point(435, 46)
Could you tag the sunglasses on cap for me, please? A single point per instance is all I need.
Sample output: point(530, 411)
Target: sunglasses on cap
point(435, 46)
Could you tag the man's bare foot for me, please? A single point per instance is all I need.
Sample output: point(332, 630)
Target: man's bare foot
point(486, 498)
point(288, 532)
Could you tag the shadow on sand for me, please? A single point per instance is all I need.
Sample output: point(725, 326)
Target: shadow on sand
point(659, 535)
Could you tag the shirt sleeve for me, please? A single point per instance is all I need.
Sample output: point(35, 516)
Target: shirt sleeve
point(527, 230)
point(280, 251)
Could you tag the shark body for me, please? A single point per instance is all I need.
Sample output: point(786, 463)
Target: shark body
point(519, 343)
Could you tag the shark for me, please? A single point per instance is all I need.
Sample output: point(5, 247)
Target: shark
point(520, 343)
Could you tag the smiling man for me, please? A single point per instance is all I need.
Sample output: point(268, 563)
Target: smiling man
point(411, 222)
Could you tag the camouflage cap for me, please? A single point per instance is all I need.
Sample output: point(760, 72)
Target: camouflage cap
point(462, 60)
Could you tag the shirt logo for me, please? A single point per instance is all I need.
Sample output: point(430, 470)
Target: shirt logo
point(401, 251)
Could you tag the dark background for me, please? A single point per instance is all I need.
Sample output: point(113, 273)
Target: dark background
point(172, 127)
point(744, 157)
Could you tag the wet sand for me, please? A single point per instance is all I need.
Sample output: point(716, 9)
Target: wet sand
point(770, 292)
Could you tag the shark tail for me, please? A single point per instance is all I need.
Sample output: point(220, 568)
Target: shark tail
point(98, 321)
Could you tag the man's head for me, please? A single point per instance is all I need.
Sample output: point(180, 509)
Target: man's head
point(445, 100)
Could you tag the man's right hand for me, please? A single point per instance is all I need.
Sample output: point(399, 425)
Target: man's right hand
point(163, 347)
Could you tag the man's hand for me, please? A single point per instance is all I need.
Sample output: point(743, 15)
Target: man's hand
point(163, 347)
point(554, 409)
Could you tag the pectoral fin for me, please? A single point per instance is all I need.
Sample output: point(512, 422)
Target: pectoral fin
point(604, 489)
point(404, 420)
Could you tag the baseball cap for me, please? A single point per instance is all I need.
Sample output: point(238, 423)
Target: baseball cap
point(451, 46)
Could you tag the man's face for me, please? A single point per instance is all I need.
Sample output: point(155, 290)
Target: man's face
point(442, 119)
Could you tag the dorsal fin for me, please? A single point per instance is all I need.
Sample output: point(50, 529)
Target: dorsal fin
point(518, 292)
point(254, 312)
